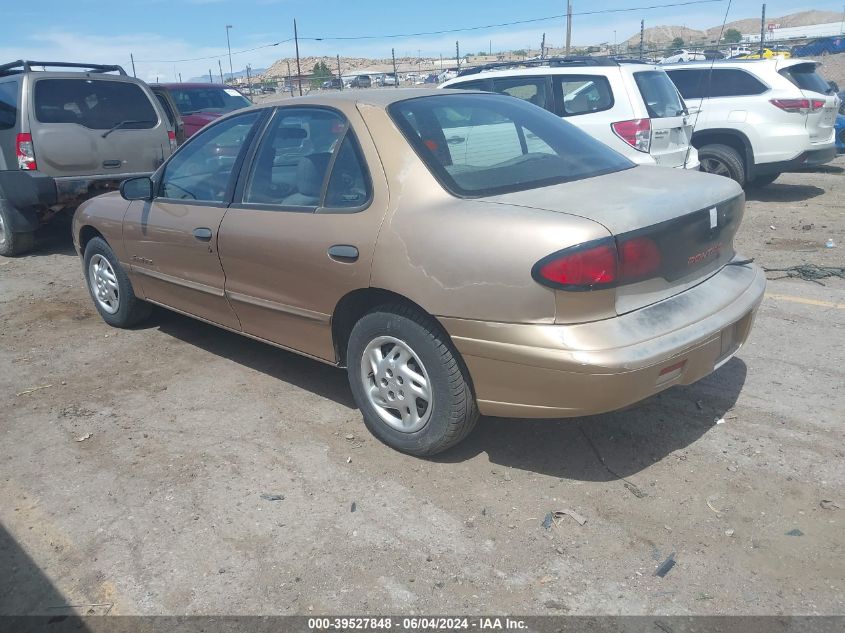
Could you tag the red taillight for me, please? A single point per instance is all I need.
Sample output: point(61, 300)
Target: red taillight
point(604, 263)
point(171, 136)
point(25, 151)
point(639, 258)
point(636, 133)
point(798, 106)
point(580, 267)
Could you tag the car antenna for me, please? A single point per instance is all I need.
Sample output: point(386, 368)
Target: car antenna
point(709, 79)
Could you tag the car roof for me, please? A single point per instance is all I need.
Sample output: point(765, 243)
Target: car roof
point(771, 61)
point(552, 70)
point(376, 96)
point(191, 85)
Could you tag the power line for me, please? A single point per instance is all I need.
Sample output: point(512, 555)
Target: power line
point(197, 59)
point(514, 23)
point(440, 32)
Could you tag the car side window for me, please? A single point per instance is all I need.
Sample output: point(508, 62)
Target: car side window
point(582, 94)
point(530, 89)
point(349, 183)
point(729, 82)
point(201, 170)
point(8, 104)
point(690, 83)
point(293, 158)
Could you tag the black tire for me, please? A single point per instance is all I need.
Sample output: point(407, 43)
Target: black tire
point(722, 160)
point(763, 180)
point(12, 244)
point(453, 410)
point(130, 310)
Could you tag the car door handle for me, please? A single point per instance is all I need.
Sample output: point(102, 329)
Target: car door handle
point(203, 234)
point(343, 253)
point(455, 140)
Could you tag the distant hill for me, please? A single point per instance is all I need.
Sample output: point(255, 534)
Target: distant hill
point(663, 35)
point(254, 72)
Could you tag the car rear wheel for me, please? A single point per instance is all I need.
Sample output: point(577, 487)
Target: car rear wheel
point(722, 160)
point(110, 288)
point(11, 243)
point(409, 381)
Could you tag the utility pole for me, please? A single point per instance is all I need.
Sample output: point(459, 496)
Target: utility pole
point(339, 76)
point(395, 75)
point(210, 78)
point(180, 77)
point(642, 36)
point(298, 67)
point(419, 62)
point(458, 56)
point(568, 27)
point(229, 46)
point(491, 47)
point(762, 30)
point(543, 47)
point(220, 68)
point(290, 81)
point(132, 57)
point(248, 81)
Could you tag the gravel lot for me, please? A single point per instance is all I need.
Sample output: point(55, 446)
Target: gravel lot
point(134, 464)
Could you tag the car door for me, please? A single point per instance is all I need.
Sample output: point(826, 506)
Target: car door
point(171, 241)
point(301, 232)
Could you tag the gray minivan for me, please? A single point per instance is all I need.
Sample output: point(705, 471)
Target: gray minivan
point(68, 132)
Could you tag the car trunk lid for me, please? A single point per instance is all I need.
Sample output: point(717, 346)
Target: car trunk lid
point(96, 127)
point(690, 218)
point(671, 126)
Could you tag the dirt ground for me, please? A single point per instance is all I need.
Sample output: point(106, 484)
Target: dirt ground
point(134, 463)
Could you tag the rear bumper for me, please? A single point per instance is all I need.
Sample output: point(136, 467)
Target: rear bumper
point(542, 371)
point(810, 158)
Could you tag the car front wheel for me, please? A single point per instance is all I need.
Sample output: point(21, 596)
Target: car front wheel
point(110, 288)
point(409, 382)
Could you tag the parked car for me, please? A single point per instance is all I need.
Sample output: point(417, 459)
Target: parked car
point(171, 111)
point(768, 53)
point(820, 47)
point(758, 118)
point(683, 55)
point(530, 272)
point(361, 81)
point(200, 103)
point(388, 79)
point(632, 107)
point(335, 83)
point(70, 131)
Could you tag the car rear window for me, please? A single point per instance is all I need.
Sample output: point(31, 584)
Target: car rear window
point(218, 100)
point(8, 104)
point(94, 103)
point(716, 82)
point(805, 77)
point(659, 94)
point(480, 145)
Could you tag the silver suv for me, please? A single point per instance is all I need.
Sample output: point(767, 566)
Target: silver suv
point(68, 132)
point(628, 105)
point(759, 117)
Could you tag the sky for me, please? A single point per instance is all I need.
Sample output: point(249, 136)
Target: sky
point(162, 33)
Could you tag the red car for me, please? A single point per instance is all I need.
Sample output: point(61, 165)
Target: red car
point(199, 104)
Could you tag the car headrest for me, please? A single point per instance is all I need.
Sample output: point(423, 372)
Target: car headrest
point(310, 173)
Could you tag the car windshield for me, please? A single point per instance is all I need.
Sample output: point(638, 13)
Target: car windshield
point(217, 100)
point(659, 93)
point(805, 77)
point(479, 145)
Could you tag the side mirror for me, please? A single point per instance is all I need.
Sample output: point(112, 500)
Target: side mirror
point(833, 86)
point(140, 188)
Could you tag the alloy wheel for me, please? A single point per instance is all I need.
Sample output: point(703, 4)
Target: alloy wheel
point(397, 384)
point(104, 285)
point(715, 166)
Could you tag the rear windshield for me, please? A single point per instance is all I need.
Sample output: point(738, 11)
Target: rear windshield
point(805, 77)
point(659, 93)
point(94, 103)
point(8, 104)
point(480, 145)
point(218, 100)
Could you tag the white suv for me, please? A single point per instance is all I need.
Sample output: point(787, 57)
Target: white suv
point(630, 106)
point(758, 117)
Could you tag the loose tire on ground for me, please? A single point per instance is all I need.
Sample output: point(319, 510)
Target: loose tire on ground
point(126, 309)
point(12, 244)
point(722, 160)
point(400, 334)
